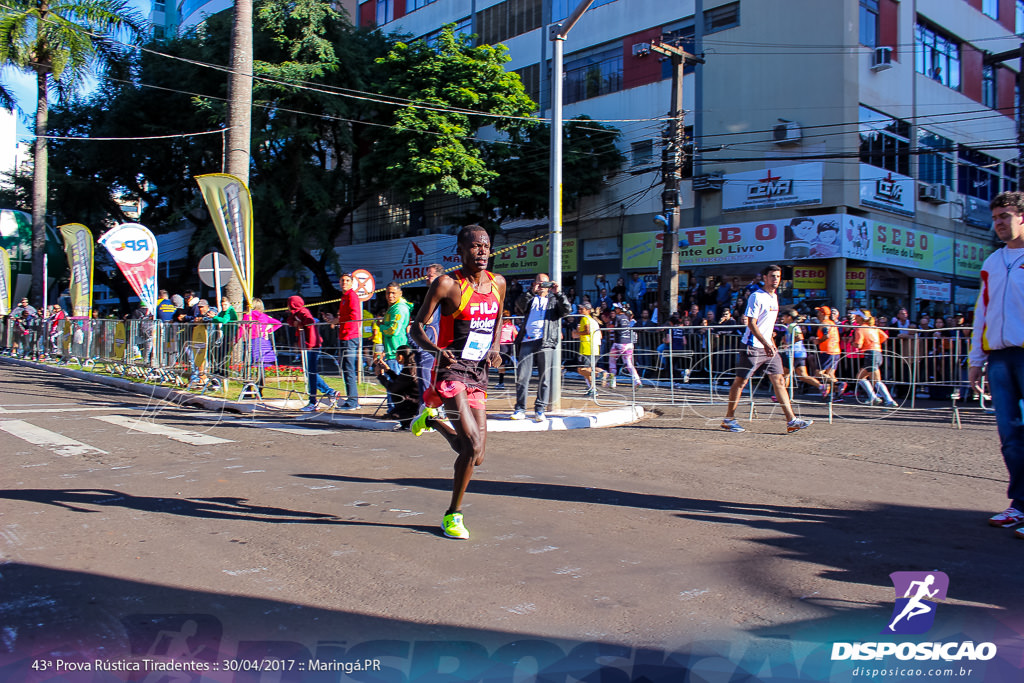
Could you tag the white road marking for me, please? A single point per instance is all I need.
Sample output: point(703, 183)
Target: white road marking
point(182, 435)
point(58, 443)
point(285, 427)
point(56, 410)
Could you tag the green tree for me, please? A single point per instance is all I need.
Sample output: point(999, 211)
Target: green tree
point(453, 88)
point(62, 42)
point(322, 146)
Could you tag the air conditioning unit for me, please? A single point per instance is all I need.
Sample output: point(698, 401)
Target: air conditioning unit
point(709, 182)
point(935, 194)
point(641, 49)
point(881, 59)
point(787, 133)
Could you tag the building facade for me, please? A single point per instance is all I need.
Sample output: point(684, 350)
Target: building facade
point(856, 142)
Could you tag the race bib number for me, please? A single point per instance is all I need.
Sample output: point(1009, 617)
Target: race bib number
point(477, 345)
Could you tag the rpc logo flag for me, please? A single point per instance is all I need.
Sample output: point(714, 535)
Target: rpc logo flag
point(133, 248)
point(917, 594)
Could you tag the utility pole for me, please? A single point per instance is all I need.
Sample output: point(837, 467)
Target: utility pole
point(672, 159)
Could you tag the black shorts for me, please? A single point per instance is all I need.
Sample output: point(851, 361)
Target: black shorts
point(829, 361)
point(872, 360)
point(750, 360)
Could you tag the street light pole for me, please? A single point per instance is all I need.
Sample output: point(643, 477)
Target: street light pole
point(558, 33)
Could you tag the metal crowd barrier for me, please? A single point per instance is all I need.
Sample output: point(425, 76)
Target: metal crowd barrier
point(678, 366)
point(695, 365)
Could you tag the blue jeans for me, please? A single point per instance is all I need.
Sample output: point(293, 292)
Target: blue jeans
point(529, 354)
point(349, 358)
point(397, 368)
point(316, 382)
point(1006, 382)
point(425, 369)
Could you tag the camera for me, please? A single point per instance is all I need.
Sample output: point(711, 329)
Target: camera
point(545, 285)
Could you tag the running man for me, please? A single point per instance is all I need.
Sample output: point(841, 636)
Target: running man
point(471, 302)
point(762, 311)
point(915, 606)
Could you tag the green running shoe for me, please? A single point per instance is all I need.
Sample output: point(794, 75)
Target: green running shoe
point(452, 525)
point(419, 425)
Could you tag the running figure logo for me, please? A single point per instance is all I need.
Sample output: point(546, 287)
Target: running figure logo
point(916, 596)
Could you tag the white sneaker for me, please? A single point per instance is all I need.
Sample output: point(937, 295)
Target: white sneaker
point(1010, 517)
point(797, 424)
point(539, 416)
point(310, 408)
point(518, 415)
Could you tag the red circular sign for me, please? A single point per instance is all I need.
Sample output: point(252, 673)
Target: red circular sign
point(363, 283)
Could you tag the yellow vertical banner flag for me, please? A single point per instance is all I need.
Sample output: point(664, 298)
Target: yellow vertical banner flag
point(5, 282)
point(230, 206)
point(78, 247)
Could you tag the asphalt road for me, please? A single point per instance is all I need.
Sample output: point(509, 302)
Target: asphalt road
point(670, 550)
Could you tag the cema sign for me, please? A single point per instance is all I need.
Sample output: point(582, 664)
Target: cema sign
point(886, 190)
point(775, 187)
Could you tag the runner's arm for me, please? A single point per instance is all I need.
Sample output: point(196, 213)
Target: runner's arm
point(494, 355)
point(439, 290)
point(769, 346)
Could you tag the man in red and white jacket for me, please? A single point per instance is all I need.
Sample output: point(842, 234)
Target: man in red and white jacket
point(999, 338)
point(350, 316)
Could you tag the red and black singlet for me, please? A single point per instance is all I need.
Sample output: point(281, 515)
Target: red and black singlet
point(469, 333)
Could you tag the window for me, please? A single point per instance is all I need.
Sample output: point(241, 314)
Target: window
point(594, 74)
point(721, 18)
point(679, 34)
point(869, 23)
point(530, 76)
point(507, 19)
point(935, 162)
point(978, 175)
point(991, 8)
point(159, 32)
point(385, 12)
point(462, 26)
point(937, 56)
point(561, 9)
point(416, 4)
point(1018, 22)
point(884, 141)
point(1010, 176)
point(988, 86)
point(642, 153)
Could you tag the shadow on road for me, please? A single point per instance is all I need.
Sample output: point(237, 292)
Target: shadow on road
point(861, 546)
point(228, 508)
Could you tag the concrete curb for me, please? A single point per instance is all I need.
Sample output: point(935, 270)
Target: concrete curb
point(500, 422)
point(614, 417)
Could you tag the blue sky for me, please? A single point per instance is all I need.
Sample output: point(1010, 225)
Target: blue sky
point(23, 85)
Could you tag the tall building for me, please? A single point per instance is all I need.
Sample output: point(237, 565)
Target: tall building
point(855, 142)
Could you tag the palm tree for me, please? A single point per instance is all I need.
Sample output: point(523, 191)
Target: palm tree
point(63, 42)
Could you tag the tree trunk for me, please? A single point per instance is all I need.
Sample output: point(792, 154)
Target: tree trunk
point(239, 111)
point(39, 191)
